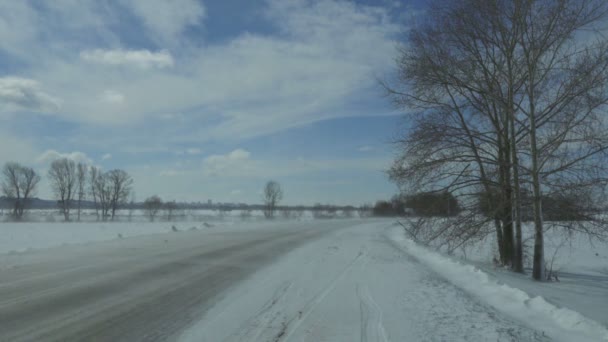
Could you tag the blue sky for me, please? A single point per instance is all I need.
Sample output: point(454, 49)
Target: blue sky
point(205, 99)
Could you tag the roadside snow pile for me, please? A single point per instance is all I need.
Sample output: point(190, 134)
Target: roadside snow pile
point(23, 236)
point(559, 323)
point(19, 237)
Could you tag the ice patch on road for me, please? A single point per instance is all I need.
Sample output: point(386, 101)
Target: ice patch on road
point(559, 323)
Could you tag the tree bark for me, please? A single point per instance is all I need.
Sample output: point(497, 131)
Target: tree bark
point(538, 267)
point(518, 259)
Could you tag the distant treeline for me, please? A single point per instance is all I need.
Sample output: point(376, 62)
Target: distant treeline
point(442, 204)
point(38, 203)
point(556, 207)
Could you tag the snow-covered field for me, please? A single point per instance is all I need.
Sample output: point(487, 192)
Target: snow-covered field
point(45, 228)
point(367, 282)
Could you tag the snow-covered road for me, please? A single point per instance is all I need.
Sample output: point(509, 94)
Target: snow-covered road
point(138, 289)
point(292, 281)
point(353, 285)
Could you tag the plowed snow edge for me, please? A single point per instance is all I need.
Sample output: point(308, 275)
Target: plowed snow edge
point(561, 324)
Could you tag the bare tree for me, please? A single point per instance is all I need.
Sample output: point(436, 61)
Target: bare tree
point(94, 174)
point(62, 175)
point(504, 101)
point(18, 185)
point(455, 81)
point(287, 213)
point(152, 205)
point(566, 94)
point(102, 192)
point(110, 191)
point(132, 205)
point(364, 210)
point(170, 208)
point(273, 194)
point(120, 184)
point(81, 178)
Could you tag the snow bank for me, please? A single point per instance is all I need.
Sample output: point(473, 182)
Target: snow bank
point(19, 237)
point(559, 323)
point(24, 236)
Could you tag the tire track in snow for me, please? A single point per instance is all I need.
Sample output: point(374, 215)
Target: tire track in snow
point(265, 318)
point(292, 326)
point(372, 329)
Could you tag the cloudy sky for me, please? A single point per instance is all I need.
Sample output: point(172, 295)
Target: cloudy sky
point(205, 99)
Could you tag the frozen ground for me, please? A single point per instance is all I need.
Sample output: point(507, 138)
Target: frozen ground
point(314, 280)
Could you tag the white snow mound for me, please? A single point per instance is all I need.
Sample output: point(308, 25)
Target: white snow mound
point(561, 324)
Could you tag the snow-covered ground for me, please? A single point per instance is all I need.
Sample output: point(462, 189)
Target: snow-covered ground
point(561, 323)
point(369, 283)
point(45, 228)
point(23, 236)
point(580, 263)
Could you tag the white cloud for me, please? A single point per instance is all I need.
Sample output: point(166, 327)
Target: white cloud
point(112, 96)
point(18, 93)
point(167, 19)
point(193, 151)
point(16, 148)
point(236, 192)
point(318, 63)
point(324, 56)
point(50, 155)
point(17, 14)
point(106, 156)
point(304, 180)
point(225, 164)
point(239, 164)
point(365, 148)
point(143, 59)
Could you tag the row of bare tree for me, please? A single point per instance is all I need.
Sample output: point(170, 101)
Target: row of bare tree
point(19, 184)
point(272, 195)
point(506, 98)
point(154, 204)
point(72, 183)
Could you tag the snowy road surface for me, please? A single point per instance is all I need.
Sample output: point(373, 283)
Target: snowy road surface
point(316, 281)
point(139, 289)
point(353, 285)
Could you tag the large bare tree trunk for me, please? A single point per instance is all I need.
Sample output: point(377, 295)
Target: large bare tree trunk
point(499, 241)
point(538, 266)
point(518, 259)
point(506, 210)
